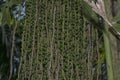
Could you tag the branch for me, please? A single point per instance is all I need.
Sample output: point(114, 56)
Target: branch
point(99, 8)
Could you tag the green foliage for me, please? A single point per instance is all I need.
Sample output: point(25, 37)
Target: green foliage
point(91, 16)
point(116, 19)
point(6, 16)
point(7, 25)
point(58, 42)
point(0, 18)
point(4, 61)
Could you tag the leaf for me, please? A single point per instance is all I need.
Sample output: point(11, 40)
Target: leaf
point(116, 18)
point(90, 14)
point(117, 27)
point(6, 16)
point(16, 2)
point(0, 18)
